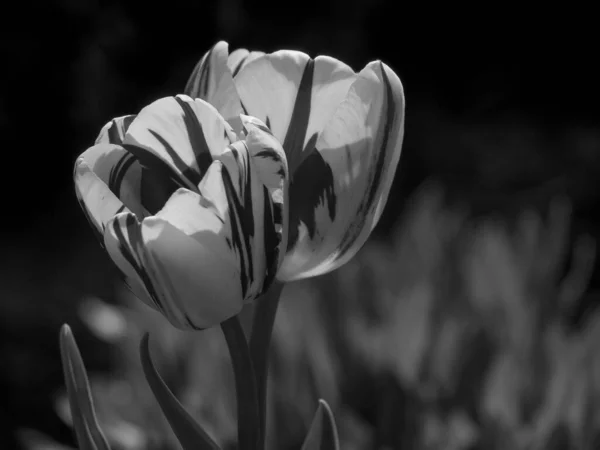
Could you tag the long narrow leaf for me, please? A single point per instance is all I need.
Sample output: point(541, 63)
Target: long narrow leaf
point(322, 434)
point(190, 434)
point(249, 433)
point(89, 434)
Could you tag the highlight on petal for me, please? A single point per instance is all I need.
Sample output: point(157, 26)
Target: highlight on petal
point(89, 434)
point(294, 96)
point(114, 131)
point(339, 191)
point(184, 133)
point(212, 81)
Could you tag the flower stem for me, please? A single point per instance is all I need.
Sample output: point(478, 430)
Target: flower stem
point(249, 430)
point(262, 328)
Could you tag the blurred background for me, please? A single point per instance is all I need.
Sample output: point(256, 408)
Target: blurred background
point(468, 321)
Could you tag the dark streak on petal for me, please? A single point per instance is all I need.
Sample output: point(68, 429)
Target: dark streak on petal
point(237, 231)
point(271, 241)
point(197, 85)
point(268, 123)
point(375, 176)
point(244, 108)
point(187, 171)
point(293, 143)
point(263, 128)
point(118, 172)
point(196, 135)
point(240, 64)
point(268, 153)
point(152, 162)
point(127, 249)
point(312, 185)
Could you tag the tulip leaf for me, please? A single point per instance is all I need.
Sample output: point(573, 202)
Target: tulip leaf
point(249, 431)
point(190, 434)
point(322, 434)
point(89, 434)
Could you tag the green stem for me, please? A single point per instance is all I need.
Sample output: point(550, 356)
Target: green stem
point(249, 430)
point(262, 328)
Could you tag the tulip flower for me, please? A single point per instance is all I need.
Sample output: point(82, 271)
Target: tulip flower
point(342, 136)
point(271, 166)
point(189, 211)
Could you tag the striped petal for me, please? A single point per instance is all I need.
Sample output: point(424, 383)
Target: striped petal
point(339, 191)
point(294, 95)
point(183, 133)
point(212, 81)
point(114, 169)
point(98, 202)
point(205, 253)
point(114, 131)
point(271, 165)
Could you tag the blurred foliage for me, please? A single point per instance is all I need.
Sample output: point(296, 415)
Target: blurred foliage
point(454, 335)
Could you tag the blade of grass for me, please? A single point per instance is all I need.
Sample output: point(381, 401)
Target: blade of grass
point(190, 434)
point(89, 434)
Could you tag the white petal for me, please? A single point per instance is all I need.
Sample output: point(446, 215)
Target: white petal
point(294, 95)
point(338, 194)
point(99, 204)
point(118, 170)
point(183, 133)
point(212, 81)
point(114, 131)
point(239, 58)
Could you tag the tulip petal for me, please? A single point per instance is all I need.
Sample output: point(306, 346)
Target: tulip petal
point(271, 164)
point(239, 58)
point(122, 241)
point(98, 202)
point(184, 133)
point(191, 254)
point(212, 81)
point(114, 131)
point(294, 95)
point(338, 193)
point(112, 169)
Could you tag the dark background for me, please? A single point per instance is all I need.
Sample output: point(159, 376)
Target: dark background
point(504, 115)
